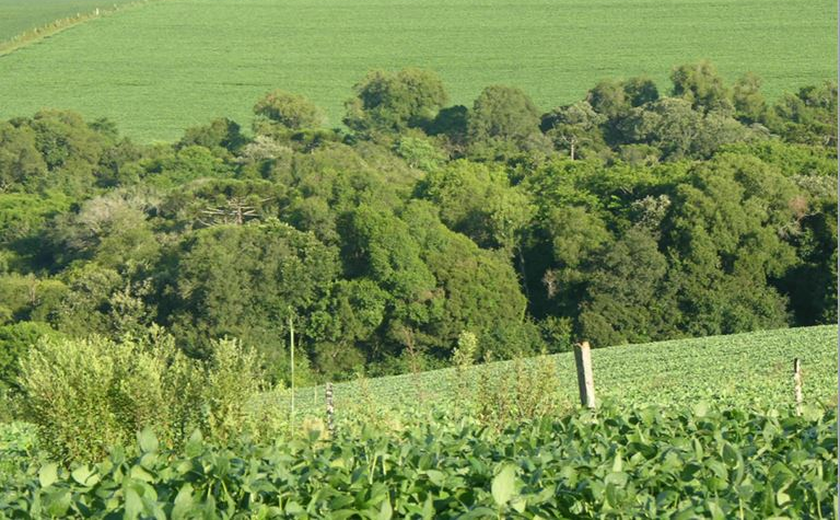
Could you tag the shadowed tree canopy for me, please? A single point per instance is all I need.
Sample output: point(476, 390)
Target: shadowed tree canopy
point(701, 85)
point(285, 111)
point(388, 102)
point(626, 216)
point(244, 281)
point(503, 113)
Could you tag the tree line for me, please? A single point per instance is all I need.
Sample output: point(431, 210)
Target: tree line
point(632, 215)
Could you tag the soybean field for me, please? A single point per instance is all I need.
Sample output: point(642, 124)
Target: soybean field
point(650, 463)
point(168, 65)
point(740, 370)
point(20, 16)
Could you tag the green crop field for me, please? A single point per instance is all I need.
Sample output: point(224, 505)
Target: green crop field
point(700, 463)
point(175, 63)
point(726, 445)
point(18, 16)
point(753, 369)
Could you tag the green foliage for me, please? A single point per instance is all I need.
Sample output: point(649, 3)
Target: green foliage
point(678, 130)
point(792, 159)
point(700, 84)
point(502, 114)
point(213, 279)
point(20, 161)
point(630, 300)
point(810, 116)
point(18, 449)
point(391, 102)
point(724, 267)
point(525, 392)
point(155, 94)
point(747, 99)
point(349, 317)
point(284, 111)
point(646, 462)
point(420, 153)
point(15, 341)
point(670, 373)
point(465, 353)
point(476, 289)
point(29, 298)
point(388, 241)
point(113, 229)
point(220, 133)
point(88, 395)
point(576, 129)
point(477, 200)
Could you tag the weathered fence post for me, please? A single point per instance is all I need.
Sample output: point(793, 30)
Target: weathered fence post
point(797, 384)
point(328, 390)
point(586, 384)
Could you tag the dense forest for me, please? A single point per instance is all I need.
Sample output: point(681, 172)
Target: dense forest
point(635, 214)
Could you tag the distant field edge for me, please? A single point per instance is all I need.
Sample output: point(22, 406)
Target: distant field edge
point(696, 341)
point(37, 34)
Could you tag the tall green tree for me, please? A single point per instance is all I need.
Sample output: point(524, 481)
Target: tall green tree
point(502, 121)
point(387, 103)
point(243, 282)
point(281, 111)
point(701, 85)
point(629, 298)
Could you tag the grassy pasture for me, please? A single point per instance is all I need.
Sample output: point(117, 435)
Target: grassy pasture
point(753, 369)
point(175, 63)
point(18, 16)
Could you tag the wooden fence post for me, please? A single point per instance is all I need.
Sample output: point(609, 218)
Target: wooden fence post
point(797, 384)
point(586, 384)
point(330, 409)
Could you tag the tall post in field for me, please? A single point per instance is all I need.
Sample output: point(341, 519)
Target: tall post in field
point(586, 383)
point(797, 384)
point(328, 394)
point(292, 356)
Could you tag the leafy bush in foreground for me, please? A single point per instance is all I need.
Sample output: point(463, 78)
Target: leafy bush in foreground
point(86, 395)
point(647, 463)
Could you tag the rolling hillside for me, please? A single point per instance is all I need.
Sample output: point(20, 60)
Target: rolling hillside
point(169, 64)
point(753, 369)
point(18, 16)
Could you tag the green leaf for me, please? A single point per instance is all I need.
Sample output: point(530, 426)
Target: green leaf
point(85, 475)
point(617, 462)
point(730, 455)
point(133, 504)
point(715, 510)
point(147, 440)
point(385, 511)
point(48, 474)
point(195, 444)
point(428, 508)
point(782, 498)
point(58, 502)
point(138, 473)
point(701, 409)
point(436, 477)
point(479, 512)
point(503, 484)
point(183, 502)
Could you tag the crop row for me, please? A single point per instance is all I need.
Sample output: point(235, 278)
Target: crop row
point(647, 463)
point(742, 370)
